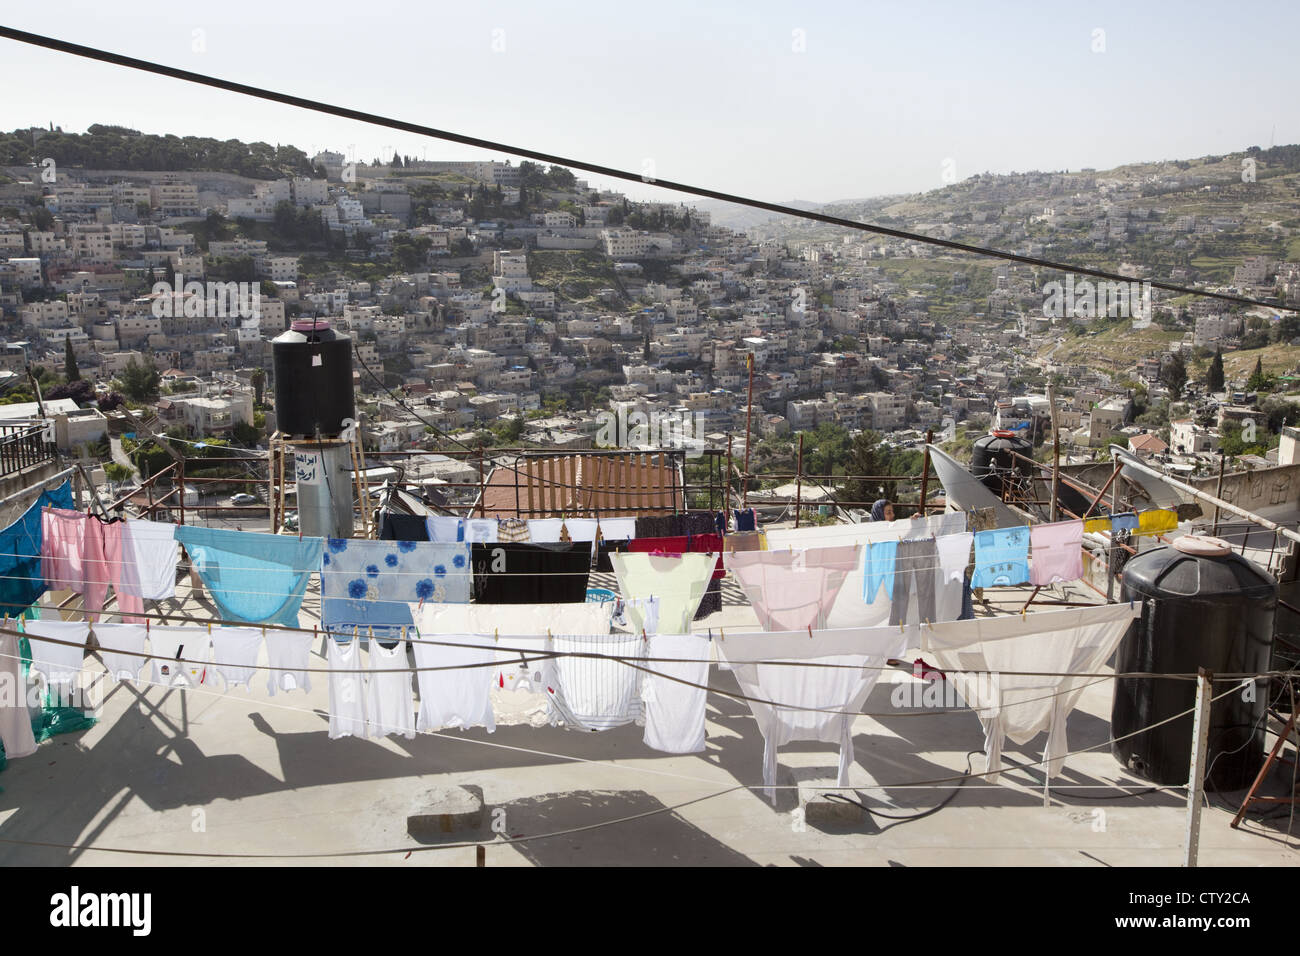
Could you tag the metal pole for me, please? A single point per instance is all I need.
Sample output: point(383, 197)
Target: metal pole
point(798, 483)
point(1196, 781)
point(727, 486)
point(1056, 452)
point(1218, 491)
point(1110, 554)
point(925, 469)
point(481, 503)
point(749, 412)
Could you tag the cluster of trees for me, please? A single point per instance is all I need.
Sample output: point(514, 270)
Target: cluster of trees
point(829, 449)
point(301, 227)
point(116, 147)
point(140, 382)
point(534, 176)
point(411, 253)
point(657, 220)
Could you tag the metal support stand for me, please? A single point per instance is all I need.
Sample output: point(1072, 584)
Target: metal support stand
point(1196, 778)
point(1252, 795)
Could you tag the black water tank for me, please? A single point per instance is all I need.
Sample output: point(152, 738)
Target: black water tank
point(1202, 606)
point(313, 379)
point(991, 458)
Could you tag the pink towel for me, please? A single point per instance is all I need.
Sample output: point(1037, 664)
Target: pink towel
point(1057, 552)
point(62, 545)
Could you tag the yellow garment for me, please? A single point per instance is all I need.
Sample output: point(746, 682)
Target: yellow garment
point(1097, 524)
point(1156, 521)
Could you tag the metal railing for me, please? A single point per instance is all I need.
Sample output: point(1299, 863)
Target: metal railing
point(22, 447)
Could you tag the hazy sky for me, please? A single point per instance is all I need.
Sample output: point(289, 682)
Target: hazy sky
point(816, 101)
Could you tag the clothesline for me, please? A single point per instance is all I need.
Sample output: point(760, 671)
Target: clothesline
point(619, 658)
point(316, 711)
point(709, 688)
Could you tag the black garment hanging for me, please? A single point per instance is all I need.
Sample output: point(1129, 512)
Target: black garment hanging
point(517, 573)
point(399, 527)
point(604, 550)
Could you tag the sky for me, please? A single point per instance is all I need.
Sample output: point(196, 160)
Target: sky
point(775, 101)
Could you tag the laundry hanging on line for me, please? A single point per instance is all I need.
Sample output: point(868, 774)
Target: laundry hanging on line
point(370, 586)
point(254, 578)
point(789, 590)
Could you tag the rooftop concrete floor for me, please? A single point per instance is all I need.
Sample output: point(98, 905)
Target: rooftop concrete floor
point(207, 771)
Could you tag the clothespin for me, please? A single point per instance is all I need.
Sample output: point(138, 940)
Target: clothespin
point(496, 635)
point(1022, 613)
point(900, 628)
point(209, 628)
point(146, 625)
point(722, 634)
point(810, 637)
point(643, 637)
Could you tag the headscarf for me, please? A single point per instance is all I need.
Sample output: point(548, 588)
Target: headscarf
point(878, 509)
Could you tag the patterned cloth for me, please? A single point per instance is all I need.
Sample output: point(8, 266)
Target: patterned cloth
point(513, 529)
point(371, 585)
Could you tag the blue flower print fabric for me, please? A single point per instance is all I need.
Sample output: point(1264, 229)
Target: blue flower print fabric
point(370, 585)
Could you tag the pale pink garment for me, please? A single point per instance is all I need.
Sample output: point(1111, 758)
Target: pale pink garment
point(1057, 552)
point(62, 546)
point(85, 555)
point(114, 561)
point(793, 590)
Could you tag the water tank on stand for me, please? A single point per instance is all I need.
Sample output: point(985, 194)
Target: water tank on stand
point(313, 379)
point(1202, 606)
point(314, 404)
point(994, 463)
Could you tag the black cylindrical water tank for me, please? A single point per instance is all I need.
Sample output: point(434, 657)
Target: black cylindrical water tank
point(992, 458)
point(313, 379)
point(1202, 606)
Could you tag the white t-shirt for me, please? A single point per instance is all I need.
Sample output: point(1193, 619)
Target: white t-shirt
point(392, 705)
point(347, 690)
point(288, 653)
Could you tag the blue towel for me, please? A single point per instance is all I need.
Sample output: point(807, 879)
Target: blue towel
point(371, 585)
point(878, 566)
point(1001, 557)
point(1127, 521)
point(257, 578)
point(21, 584)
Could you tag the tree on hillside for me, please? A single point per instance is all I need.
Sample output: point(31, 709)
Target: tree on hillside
point(867, 457)
point(1258, 380)
point(70, 370)
point(140, 381)
point(1173, 375)
point(1214, 377)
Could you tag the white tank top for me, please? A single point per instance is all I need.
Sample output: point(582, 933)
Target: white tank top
point(288, 654)
point(392, 703)
point(347, 691)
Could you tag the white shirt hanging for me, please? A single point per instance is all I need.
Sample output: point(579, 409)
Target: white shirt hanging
point(347, 688)
point(391, 703)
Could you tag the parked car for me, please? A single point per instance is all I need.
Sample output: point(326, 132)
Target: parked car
point(243, 499)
